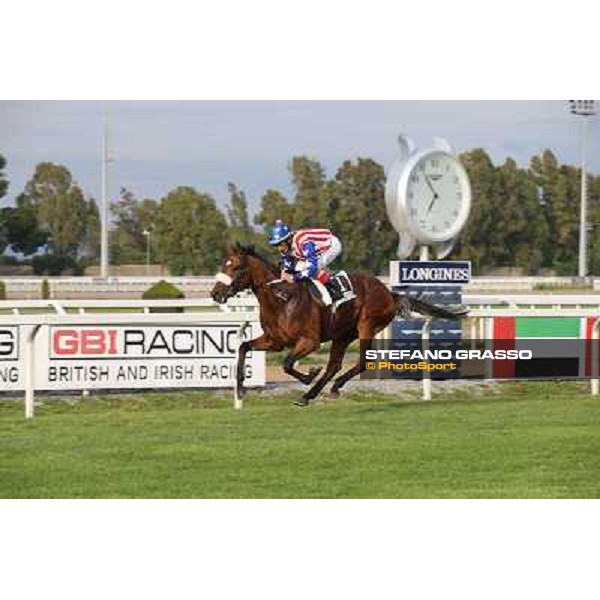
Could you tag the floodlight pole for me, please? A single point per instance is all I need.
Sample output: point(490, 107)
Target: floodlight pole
point(585, 109)
point(104, 202)
point(583, 211)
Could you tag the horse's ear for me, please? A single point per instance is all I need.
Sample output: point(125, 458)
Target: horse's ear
point(236, 247)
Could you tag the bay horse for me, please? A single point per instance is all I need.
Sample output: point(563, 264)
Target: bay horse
point(292, 318)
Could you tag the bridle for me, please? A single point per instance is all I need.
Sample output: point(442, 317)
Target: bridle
point(233, 284)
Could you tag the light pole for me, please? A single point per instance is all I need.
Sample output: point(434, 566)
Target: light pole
point(147, 232)
point(585, 109)
point(104, 208)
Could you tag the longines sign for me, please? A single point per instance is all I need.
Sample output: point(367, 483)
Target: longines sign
point(412, 272)
point(86, 358)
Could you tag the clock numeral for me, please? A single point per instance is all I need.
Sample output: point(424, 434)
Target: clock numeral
point(455, 213)
point(434, 228)
point(455, 179)
point(459, 195)
point(413, 212)
point(435, 163)
point(411, 195)
point(414, 178)
point(446, 223)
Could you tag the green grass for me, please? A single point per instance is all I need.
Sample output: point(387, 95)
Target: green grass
point(535, 440)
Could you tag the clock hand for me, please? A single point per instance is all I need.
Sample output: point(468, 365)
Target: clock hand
point(435, 195)
point(431, 204)
point(430, 186)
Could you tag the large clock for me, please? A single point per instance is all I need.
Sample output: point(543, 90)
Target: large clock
point(428, 197)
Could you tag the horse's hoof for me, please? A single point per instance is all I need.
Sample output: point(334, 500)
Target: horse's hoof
point(304, 401)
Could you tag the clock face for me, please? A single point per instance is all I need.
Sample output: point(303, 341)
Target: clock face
point(437, 196)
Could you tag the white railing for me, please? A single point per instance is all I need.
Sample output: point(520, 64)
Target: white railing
point(482, 311)
point(524, 301)
point(63, 306)
point(135, 286)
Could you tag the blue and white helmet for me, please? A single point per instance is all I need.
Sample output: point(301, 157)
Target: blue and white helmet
point(279, 233)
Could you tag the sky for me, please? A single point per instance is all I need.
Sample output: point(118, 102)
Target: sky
point(158, 145)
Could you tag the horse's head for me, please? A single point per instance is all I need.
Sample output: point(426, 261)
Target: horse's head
point(233, 276)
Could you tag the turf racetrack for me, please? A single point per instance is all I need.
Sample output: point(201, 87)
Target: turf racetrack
point(534, 440)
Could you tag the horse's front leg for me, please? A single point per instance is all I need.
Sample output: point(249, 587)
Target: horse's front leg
point(260, 343)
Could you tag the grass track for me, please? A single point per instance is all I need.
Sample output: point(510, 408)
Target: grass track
point(535, 440)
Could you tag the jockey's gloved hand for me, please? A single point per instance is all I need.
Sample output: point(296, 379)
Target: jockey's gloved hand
point(288, 264)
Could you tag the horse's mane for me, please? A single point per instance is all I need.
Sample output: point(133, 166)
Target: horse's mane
point(250, 250)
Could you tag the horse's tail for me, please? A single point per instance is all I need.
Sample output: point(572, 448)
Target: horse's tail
point(407, 304)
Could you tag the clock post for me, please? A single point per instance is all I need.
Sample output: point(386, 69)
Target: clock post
point(428, 200)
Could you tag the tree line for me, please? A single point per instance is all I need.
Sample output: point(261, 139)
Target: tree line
point(526, 217)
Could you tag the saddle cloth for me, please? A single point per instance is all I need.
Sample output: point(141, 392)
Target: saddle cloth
point(338, 291)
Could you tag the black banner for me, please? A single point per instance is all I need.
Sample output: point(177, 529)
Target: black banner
point(440, 358)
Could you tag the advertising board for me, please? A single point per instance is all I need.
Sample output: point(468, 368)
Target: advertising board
point(129, 357)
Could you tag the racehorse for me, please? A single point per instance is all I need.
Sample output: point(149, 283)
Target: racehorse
point(292, 317)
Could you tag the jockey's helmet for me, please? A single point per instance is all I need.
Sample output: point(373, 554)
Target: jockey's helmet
point(279, 233)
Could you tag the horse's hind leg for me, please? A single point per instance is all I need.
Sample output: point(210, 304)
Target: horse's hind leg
point(303, 348)
point(336, 355)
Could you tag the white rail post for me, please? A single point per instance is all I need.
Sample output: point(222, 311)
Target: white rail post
point(488, 336)
point(30, 371)
point(425, 346)
point(473, 323)
point(595, 342)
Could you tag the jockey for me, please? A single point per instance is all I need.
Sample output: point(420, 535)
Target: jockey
point(305, 253)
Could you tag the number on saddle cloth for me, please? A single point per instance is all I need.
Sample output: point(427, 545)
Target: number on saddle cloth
point(343, 283)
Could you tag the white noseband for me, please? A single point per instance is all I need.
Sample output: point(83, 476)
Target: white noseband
point(224, 279)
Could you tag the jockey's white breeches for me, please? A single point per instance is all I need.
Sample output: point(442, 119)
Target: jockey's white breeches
point(325, 257)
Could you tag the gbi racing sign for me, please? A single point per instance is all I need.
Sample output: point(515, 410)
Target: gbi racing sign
point(9, 357)
point(130, 357)
point(87, 357)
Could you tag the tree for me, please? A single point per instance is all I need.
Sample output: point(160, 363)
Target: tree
point(23, 233)
point(237, 215)
point(308, 176)
point(354, 206)
point(523, 225)
point(3, 231)
point(3, 188)
point(558, 196)
point(132, 218)
point(91, 243)
point(61, 209)
point(3, 180)
point(273, 206)
point(594, 221)
point(481, 240)
point(191, 232)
